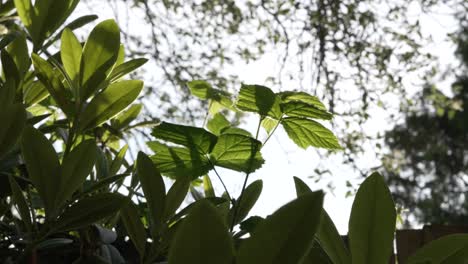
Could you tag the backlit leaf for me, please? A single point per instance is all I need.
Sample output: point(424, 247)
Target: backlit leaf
point(259, 99)
point(191, 137)
point(109, 103)
point(179, 162)
point(305, 133)
point(99, 54)
point(237, 152)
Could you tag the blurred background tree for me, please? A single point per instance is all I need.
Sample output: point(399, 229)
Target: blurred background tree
point(428, 161)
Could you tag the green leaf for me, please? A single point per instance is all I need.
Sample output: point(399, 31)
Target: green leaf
point(26, 13)
point(301, 187)
point(303, 97)
point(89, 210)
point(217, 123)
point(287, 235)
point(18, 50)
point(237, 152)
point(75, 24)
point(300, 109)
point(153, 188)
point(118, 160)
point(175, 196)
point(327, 234)
point(34, 93)
point(269, 124)
point(249, 198)
point(259, 99)
point(372, 222)
point(70, 52)
point(135, 228)
point(53, 83)
point(179, 162)
point(188, 136)
point(44, 172)
point(7, 93)
point(203, 90)
point(20, 201)
point(10, 70)
point(202, 238)
point(76, 166)
point(49, 16)
point(208, 187)
point(305, 133)
point(13, 119)
point(235, 131)
point(331, 241)
point(451, 249)
point(109, 103)
point(99, 54)
point(126, 68)
point(127, 116)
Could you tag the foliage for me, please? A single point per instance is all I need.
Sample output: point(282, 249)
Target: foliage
point(65, 195)
point(430, 179)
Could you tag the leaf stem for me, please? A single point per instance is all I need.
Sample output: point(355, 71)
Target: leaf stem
point(273, 131)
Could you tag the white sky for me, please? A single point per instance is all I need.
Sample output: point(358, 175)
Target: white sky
point(283, 158)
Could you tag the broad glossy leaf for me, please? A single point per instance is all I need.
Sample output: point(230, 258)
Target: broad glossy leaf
point(13, 119)
point(18, 50)
point(118, 161)
point(34, 93)
point(7, 93)
point(44, 172)
point(20, 201)
point(109, 103)
point(76, 166)
point(51, 80)
point(451, 249)
point(327, 235)
point(49, 16)
point(126, 117)
point(188, 136)
point(217, 123)
point(202, 238)
point(179, 162)
point(153, 188)
point(10, 70)
point(89, 210)
point(176, 195)
point(249, 198)
point(300, 109)
point(372, 222)
point(304, 97)
point(259, 99)
point(135, 228)
point(204, 90)
point(237, 152)
point(126, 68)
point(75, 24)
point(305, 133)
point(99, 54)
point(26, 13)
point(70, 52)
point(287, 235)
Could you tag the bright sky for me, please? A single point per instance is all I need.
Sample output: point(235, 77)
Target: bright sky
point(283, 158)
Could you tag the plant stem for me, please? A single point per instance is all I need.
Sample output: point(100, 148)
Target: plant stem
point(273, 131)
point(251, 159)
